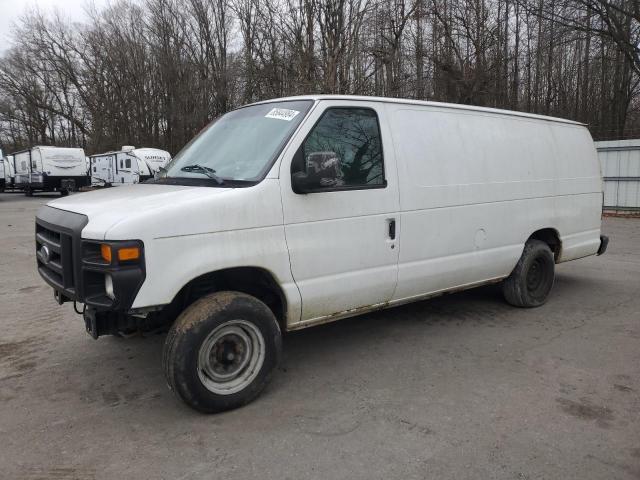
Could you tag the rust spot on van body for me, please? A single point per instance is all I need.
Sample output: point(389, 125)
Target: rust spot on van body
point(384, 305)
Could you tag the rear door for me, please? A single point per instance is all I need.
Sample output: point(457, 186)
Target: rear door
point(124, 165)
point(342, 238)
point(109, 166)
point(36, 161)
point(102, 168)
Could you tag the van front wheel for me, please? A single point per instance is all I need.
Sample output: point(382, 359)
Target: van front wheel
point(221, 351)
point(531, 280)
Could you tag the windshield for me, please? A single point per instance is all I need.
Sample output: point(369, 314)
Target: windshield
point(240, 146)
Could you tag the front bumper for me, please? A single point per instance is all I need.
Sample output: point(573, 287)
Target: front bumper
point(73, 267)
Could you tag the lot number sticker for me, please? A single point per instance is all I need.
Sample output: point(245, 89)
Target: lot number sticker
point(282, 114)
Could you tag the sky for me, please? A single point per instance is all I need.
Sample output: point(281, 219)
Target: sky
point(11, 10)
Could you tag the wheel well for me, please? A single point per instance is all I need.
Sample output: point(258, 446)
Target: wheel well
point(550, 237)
point(254, 281)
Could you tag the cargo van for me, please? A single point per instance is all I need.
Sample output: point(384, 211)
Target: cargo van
point(49, 169)
point(299, 211)
point(127, 166)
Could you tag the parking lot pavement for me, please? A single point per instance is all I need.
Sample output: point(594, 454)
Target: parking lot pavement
point(458, 387)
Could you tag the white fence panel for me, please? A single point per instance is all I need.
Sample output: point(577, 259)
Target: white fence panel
point(620, 164)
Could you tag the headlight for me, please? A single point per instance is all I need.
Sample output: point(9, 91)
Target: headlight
point(105, 252)
point(108, 287)
point(112, 272)
point(125, 253)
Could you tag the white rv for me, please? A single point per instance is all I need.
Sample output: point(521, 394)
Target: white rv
point(127, 166)
point(294, 212)
point(9, 171)
point(50, 169)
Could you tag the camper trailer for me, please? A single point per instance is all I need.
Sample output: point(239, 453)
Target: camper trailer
point(127, 166)
point(9, 171)
point(50, 169)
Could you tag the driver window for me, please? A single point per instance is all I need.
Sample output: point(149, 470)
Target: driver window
point(344, 150)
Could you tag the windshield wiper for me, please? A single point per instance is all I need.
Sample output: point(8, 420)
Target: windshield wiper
point(209, 172)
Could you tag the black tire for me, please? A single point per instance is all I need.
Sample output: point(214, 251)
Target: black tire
point(194, 330)
point(531, 280)
point(64, 193)
point(28, 192)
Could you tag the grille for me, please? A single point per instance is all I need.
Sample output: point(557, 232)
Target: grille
point(55, 258)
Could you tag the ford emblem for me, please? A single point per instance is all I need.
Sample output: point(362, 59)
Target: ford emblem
point(45, 254)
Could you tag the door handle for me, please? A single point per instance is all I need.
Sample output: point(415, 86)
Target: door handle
point(392, 228)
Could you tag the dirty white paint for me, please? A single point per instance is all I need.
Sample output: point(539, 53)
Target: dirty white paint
point(466, 187)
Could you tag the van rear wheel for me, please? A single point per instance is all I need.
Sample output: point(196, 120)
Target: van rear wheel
point(531, 280)
point(221, 351)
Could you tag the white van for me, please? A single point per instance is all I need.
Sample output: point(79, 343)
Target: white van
point(50, 169)
point(299, 211)
point(127, 166)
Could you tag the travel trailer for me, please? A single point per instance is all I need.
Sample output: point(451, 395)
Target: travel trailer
point(9, 172)
point(127, 166)
point(49, 169)
point(299, 211)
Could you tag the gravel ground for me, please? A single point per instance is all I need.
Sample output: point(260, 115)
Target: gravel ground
point(459, 387)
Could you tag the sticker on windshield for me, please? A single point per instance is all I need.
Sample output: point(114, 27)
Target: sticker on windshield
point(282, 114)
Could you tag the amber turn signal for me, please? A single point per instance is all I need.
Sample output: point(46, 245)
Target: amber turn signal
point(105, 252)
point(128, 253)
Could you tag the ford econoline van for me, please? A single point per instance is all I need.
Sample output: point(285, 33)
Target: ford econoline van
point(298, 211)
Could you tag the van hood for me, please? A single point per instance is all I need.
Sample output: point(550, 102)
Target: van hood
point(138, 198)
point(109, 206)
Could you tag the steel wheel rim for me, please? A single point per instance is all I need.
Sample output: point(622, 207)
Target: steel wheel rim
point(538, 277)
point(230, 357)
point(535, 275)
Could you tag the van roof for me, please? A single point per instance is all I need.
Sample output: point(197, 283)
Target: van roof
point(406, 101)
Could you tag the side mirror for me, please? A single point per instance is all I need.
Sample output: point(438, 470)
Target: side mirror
point(323, 171)
point(300, 183)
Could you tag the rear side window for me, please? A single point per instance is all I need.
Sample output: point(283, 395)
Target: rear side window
point(345, 149)
point(127, 163)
